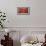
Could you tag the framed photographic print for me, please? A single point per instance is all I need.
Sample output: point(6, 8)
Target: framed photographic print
point(23, 10)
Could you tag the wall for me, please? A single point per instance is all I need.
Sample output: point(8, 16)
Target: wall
point(37, 17)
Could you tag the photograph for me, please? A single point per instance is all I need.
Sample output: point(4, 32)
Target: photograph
point(23, 10)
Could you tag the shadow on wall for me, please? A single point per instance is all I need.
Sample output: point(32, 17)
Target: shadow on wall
point(16, 43)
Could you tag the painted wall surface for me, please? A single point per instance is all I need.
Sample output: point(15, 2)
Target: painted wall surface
point(37, 17)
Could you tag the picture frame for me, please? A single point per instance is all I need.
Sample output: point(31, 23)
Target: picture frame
point(23, 10)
